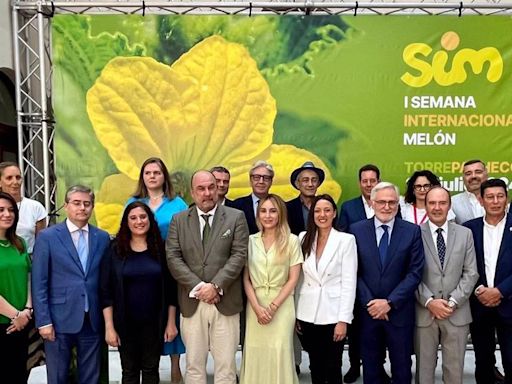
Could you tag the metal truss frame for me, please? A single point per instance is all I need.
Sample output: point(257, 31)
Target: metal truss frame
point(33, 62)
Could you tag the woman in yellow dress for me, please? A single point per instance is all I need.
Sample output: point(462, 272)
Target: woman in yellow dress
point(270, 276)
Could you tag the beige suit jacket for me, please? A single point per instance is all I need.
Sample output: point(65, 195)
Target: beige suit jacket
point(221, 261)
point(457, 279)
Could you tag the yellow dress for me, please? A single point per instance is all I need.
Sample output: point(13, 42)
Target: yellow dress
point(268, 349)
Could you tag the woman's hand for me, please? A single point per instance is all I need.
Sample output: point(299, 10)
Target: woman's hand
point(112, 338)
point(340, 331)
point(263, 315)
point(170, 332)
point(298, 328)
point(20, 321)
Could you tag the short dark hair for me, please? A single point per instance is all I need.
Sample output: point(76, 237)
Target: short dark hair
point(490, 183)
point(221, 169)
point(474, 161)
point(369, 167)
point(409, 196)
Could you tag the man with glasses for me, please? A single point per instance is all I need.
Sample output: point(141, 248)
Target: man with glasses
point(306, 179)
point(491, 302)
point(391, 260)
point(352, 211)
point(65, 279)
point(261, 175)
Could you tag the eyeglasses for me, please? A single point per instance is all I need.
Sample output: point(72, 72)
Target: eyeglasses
point(425, 187)
point(78, 203)
point(383, 203)
point(307, 180)
point(265, 178)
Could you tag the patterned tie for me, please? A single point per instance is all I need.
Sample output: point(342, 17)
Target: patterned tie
point(383, 245)
point(82, 249)
point(206, 229)
point(441, 246)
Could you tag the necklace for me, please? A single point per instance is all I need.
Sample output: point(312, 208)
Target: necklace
point(5, 243)
point(156, 197)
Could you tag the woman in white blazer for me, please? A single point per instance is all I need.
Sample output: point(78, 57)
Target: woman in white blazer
point(326, 295)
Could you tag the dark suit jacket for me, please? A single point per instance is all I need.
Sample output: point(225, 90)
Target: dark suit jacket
point(220, 262)
point(245, 204)
point(59, 283)
point(503, 275)
point(396, 280)
point(295, 217)
point(112, 290)
point(229, 203)
point(351, 212)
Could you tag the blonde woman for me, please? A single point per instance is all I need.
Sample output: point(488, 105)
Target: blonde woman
point(270, 276)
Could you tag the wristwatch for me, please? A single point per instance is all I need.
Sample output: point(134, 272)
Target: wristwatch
point(217, 288)
point(452, 304)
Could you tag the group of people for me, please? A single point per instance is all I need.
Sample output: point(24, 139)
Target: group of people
point(396, 275)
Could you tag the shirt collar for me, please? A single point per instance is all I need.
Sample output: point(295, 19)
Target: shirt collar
point(255, 199)
point(365, 202)
point(433, 227)
point(211, 212)
point(500, 224)
point(379, 223)
point(73, 228)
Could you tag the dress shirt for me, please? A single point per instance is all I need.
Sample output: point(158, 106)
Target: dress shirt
point(379, 232)
point(476, 208)
point(202, 223)
point(433, 231)
point(255, 200)
point(493, 234)
point(75, 232)
point(368, 209)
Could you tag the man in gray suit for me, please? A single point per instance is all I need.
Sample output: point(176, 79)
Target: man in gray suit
point(466, 205)
point(442, 307)
point(206, 252)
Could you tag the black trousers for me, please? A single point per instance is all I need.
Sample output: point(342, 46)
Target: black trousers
point(140, 353)
point(14, 355)
point(483, 330)
point(325, 355)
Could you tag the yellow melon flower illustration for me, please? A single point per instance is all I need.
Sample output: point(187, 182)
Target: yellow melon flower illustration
point(210, 107)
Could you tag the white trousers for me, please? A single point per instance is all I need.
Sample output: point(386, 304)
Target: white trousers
point(209, 330)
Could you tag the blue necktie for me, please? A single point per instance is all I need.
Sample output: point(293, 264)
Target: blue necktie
point(383, 245)
point(82, 250)
point(441, 246)
point(83, 253)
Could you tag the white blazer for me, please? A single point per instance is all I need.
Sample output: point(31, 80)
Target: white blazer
point(328, 291)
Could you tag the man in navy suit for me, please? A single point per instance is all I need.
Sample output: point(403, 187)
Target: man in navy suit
point(261, 175)
point(65, 279)
point(360, 208)
point(222, 177)
point(491, 302)
point(306, 179)
point(391, 261)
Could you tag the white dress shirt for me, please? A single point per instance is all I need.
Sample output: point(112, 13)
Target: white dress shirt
point(368, 209)
point(493, 234)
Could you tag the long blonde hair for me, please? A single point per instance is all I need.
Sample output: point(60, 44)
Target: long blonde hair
point(283, 229)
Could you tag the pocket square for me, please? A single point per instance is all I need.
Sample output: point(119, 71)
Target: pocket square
point(226, 234)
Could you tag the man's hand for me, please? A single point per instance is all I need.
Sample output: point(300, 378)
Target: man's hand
point(378, 309)
point(207, 293)
point(439, 309)
point(47, 333)
point(490, 297)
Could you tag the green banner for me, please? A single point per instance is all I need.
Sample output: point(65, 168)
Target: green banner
point(402, 92)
